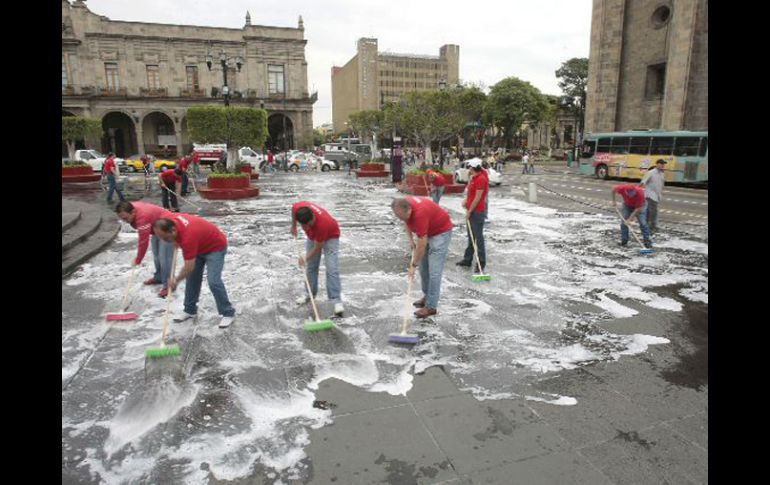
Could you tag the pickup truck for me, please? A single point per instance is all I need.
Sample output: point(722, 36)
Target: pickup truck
point(96, 160)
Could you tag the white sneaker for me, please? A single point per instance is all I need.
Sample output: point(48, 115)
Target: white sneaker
point(184, 317)
point(339, 309)
point(302, 300)
point(226, 322)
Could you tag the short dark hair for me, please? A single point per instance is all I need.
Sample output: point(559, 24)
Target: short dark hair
point(165, 225)
point(304, 215)
point(124, 206)
point(178, 171)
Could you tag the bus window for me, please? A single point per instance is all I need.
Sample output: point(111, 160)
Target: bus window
point(620, 144)
point(640, 145)
point(588, 149)
point(686, 146)
point(604, 145)
point(662, 145)
point(704, 146)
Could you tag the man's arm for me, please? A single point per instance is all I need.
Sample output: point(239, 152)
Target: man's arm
point(419, 253)
point(189, 266)
point(475, 203)
point(315, 252)
point(293, 223)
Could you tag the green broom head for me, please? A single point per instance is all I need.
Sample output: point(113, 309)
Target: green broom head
point(319, 325)
point(481, 277)
point(161, 352)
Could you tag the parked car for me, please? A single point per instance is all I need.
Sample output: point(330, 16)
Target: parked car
point(134, 163)
point(247, 155)
point(461, 174)
point(96, 160)
point(342, 157)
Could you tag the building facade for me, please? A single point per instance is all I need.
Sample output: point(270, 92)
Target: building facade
point(648, 65)
point(372, 77)
point(141, 78)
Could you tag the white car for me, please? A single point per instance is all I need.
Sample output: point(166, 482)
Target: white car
point(247, 155)
point(461, 174)
point(96, 160)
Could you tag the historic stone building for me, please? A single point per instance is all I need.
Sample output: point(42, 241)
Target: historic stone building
point(371, 78)
point(140, 78)
point(648, 66)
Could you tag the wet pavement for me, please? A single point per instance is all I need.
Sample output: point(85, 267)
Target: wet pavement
point(580, 362)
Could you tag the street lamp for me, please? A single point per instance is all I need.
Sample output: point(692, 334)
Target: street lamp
point(224, 61)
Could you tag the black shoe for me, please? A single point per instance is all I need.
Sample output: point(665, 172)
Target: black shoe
point(648, 244)
point(624, 243)
point(467, 264)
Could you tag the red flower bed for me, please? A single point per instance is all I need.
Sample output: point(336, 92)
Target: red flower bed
point(372, 167)
point(70, 171)
point(228, 183)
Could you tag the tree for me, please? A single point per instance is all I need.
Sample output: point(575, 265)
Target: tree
point(234, 126)
point(318, 137)
point(510, 102)
point(367, 122)
point(573, 79)
point(75, 128)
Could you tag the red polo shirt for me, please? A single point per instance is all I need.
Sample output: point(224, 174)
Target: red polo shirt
point(479, 183)
point(427, 218)
point(145, 216)
point(198, 236)
point(170, 177)
point(324, 226)
point(109, 166)
point(184, 163)
point(439, 181)
point(626, 190)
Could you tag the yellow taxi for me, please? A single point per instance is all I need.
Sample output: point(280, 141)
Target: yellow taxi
point(134, 163)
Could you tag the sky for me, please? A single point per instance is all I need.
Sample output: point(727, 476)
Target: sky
point(497, 38)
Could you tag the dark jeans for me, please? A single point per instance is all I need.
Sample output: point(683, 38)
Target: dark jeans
point(113, 188)
point(185, 181)
point(652, 214)
point(214, 263)
point(171, 195)
point(477, 226)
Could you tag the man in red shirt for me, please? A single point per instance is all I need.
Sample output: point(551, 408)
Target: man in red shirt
point(634, 205)
point(433, 228)
point(141, 216)
point(475, 212)
point(323, 235)
point(170, 181)
point(184, 163)
point(202, 244)
point(437, 185)
point(110, 170)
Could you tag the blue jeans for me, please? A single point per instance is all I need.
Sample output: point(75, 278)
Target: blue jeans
point(330, 252)
point(642, 218)
point(432, 267)
point(477, 225)
point(215, 262)
point(437, 193)
point(162, 254)
point(113, 188)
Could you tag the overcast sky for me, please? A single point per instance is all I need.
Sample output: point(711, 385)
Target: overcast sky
point(528, 39)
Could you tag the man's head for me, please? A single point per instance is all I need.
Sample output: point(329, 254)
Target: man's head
point(178, 171)
point(125, 211)
point(110, 154)
point(165, 229)
point(475, 165)
point(305, 216)
point(660, 165)
point(401, 208)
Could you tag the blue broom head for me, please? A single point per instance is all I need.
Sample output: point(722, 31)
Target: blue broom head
point(403, 338)
point(646, 251)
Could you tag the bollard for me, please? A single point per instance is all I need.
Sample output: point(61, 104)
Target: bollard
point(532, 192)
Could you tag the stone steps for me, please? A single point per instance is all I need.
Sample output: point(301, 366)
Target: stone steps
point(68, 219)
point(86, 230)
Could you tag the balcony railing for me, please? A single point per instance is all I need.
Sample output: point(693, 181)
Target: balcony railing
point(154, 92)
point(105, 91)
point(192, 93)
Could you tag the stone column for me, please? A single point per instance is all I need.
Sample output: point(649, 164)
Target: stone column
point(139, 137)
point(178, 132)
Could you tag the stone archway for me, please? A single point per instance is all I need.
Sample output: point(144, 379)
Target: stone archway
point(281, 132)
point(119, 134)
point(159, 135)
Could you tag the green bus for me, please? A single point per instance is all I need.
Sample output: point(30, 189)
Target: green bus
point(629, 154)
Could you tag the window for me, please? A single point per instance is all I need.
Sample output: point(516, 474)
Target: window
point(111, 75)
point(192, 77)
point(686, 146)
point(231, 72)
point(662, 145)
point(704, 146)
point(588, 149)
point(660, 16)
point(64, 77)
point(620, 144)
point(153, 77)
point(656, 80)
point(275, 79)
point(604, 145)
point(640, 145)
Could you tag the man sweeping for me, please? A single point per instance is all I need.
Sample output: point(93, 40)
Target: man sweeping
point(433, 228)
point(170, 183)
point(323, 236)
point(203, 245)
point(437, 185)
point(475, 212)
point(634, 206)
point(141, 216)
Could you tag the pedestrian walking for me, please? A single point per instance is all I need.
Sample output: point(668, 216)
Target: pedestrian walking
point(524, 163)
point(111, 171)
point(654, 181)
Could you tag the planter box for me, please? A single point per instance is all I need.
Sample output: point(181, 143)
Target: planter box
point(371, 173)
point(255, 176)
point(247, 169)
point(229, 194)
point(70, 171)
point(68, 179)
point(421, 180)
point(229, 183)
point(373, 167)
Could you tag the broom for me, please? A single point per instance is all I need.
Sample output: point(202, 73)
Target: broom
point(481, 276)
point(201, 210)
point(318, 324)
point(165, 350)
point(403, 337)
point(123, 314)
point(642, 250)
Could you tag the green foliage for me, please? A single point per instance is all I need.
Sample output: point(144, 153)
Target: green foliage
point(510, 102)
point(74, 128)
point(235, 126)
point(366, 122)
point(73, 164)
point(416, 172)
point(573, 77)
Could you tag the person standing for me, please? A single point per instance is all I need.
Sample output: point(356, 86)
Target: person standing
point(111, 171)
point(203, 245)
point(184, 163)
point(271, 161)
point(323, 236)
point(634, 206)
point(524, 163)
point(531, 163)
point(433, 228)
point(475, 213)
point(653, 182)
point(170, 183)
point(141, 216)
